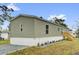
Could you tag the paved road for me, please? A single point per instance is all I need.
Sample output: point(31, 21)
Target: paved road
point(4, 49)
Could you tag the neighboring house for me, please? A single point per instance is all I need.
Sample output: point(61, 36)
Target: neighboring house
point(32, 30)
point(5, 35)
point(77, 33)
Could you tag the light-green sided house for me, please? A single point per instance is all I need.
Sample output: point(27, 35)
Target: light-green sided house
point(32, 30)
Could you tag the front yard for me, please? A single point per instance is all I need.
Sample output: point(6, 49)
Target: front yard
point(59, 48)
point(4, 42)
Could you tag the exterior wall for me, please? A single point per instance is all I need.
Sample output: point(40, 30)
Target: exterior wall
point(27, 27)
point(40, 29)
point(34, 41)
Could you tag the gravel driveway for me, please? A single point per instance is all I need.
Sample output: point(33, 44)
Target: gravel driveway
point(7, 48)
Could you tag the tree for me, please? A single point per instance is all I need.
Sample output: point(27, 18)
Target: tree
point(77, 29)
point(5, 14)
point(59, 21)
point(77, 32)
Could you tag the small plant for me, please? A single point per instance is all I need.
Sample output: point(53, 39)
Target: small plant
point(42, 44)
point(53, 41)
point(45, 43)
point(50, 42)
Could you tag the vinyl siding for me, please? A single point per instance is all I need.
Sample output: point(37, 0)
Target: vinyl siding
point(27, 25)
point(33, 28)
point(40, 29)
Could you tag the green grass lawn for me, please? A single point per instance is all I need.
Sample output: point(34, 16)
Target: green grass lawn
point(4, 42)
point(59, 48)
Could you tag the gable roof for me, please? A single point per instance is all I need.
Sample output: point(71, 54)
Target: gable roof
point(39, 18)
point(32, 16)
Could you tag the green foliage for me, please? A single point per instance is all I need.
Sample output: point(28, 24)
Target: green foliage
point(60, 22)
point(5, 13)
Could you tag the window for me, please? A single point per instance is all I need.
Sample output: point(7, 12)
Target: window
point(47, 29)
point(21, 28)
point(21, 25)
point(58, 29)
point(47, 26)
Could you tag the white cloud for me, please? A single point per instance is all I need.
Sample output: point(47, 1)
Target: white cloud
point(13, 6)
point(60, 16)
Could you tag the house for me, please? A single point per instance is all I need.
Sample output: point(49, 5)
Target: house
point(77, 33)
point(5, 35)
point(32, 30)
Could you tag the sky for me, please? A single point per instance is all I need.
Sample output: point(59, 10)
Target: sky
point(67, 11)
